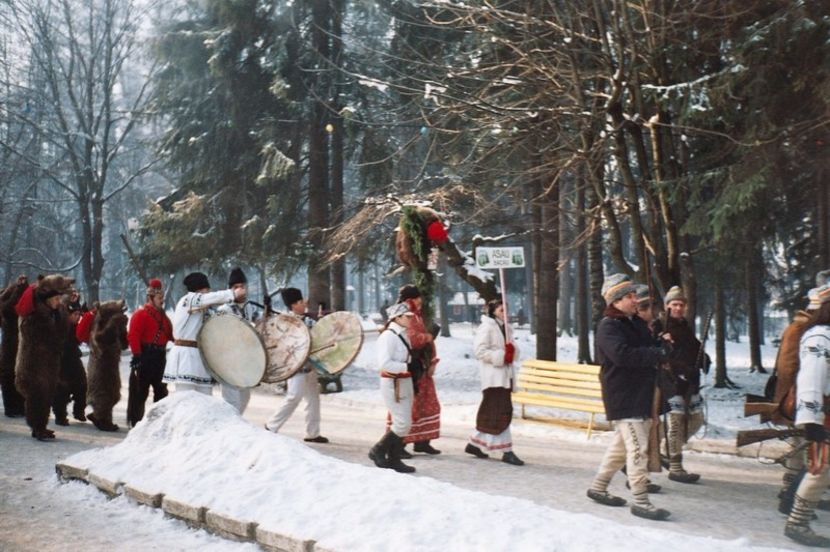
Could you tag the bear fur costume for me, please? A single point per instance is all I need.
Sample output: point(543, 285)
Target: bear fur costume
point(107, 339)
point(13, 401)
point(39, 353)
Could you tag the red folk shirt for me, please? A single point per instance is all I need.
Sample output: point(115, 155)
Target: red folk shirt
point(144, 328)
point(84, 327)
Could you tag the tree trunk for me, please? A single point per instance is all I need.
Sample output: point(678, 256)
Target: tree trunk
point(443, 297)
point(548, 281)
point(338, 268)
point(595, 267)
point(565, 322)
point(582, 291)
point(720, 334)
point(751, 275)
point(319, 278)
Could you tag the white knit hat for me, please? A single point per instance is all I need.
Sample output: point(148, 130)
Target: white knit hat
point(818, 296)
point(674, 294)
point(398, 309)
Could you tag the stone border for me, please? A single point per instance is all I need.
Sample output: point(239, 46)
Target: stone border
point(199, 517)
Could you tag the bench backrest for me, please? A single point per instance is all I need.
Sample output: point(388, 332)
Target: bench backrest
point(560, 377)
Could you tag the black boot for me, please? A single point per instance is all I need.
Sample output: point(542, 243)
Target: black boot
point(380, 451)
point(475, 451)
point(405, 454)
point(395, 455)
point(511, 458)
point(424, 446)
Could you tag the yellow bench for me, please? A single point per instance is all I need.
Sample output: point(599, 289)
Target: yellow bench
point(560, 385)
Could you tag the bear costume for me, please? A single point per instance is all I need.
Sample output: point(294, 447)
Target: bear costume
point(107, 339)
point(42, 332)
point(12, 399)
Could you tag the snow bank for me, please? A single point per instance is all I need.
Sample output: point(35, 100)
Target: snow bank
point(198, 450)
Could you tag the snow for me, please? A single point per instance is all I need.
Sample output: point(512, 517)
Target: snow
point(197, 449)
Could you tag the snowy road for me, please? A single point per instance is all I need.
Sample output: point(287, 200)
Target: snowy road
point(735, 500)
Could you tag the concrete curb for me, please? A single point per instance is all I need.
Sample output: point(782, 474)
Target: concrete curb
point(69, 472)
point(771, 449)
point(109, 488)
point(142, 497)
point(193, 515)
point(229, 527)
point(277, 542)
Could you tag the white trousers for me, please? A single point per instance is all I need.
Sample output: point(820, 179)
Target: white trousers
point(503, 442)
point(237, 397)
point(203, 388)
point(401, 411)
point(300, 386)
point(628, 448)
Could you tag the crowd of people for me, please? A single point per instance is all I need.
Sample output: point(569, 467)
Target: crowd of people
point(650, 358)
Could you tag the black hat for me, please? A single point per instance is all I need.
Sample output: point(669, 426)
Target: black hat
point(409, 291)
point(291, 296)
point(237, 277)
point(196, 281)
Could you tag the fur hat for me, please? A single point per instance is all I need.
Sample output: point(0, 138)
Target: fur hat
point(291, 296)
point(409, 291)
point(154, 287)
point(398, 309)
point(818, 296)
point(642, 292)
point(52, 285)
point(675, 294)
point(236, 277)
point(196, 281)
point(615, 287)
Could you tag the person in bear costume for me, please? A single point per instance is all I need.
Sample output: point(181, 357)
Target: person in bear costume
point(107, 339)
point(12, 399)
point(72, 379)
point(43, 321)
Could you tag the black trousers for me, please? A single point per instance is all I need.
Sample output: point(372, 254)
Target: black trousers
point(148, 374)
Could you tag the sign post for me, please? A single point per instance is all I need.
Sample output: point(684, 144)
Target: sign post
point(501, 258)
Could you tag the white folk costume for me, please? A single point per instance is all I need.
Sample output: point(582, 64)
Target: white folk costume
point(496, 409)
point(812, 393)
point(302, 385)
point(184, 363)
point(238, 397)
point(393, 357)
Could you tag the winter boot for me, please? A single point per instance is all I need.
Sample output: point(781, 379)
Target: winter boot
point(511, 458)
point(395, 455)
point(405, 454)
point(604, 497)
point(649, 511)
point(425, 447)
point(798, 525)
point(682, 476)
point(378, 454)
point(475, 451)
point(651, 487)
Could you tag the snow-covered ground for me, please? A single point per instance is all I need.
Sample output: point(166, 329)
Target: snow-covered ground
point(198, 449)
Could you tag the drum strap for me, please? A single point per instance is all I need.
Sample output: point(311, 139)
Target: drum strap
point(186, 343)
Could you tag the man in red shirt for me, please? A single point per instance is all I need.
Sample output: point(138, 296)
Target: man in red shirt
point(149, 332)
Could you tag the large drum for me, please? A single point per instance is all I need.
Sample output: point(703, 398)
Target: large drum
point(336, 340)
point(232, 350)
point(287, 343)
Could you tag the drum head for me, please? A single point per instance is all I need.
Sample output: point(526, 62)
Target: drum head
point(335, 341)
point(287, 343)
point(232, 350)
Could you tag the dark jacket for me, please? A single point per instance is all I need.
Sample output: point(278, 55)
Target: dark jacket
point(683, 359)
point(629, 356)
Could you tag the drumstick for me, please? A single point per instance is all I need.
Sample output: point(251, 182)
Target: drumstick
point(322, 348)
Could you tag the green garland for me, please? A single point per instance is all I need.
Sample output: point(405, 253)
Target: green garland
point(422, 277)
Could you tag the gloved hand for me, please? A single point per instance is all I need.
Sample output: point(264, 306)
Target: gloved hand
point(815, 432)
point(135, 362)
point(509, 352)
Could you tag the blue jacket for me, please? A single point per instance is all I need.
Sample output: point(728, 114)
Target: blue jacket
point(629, 356)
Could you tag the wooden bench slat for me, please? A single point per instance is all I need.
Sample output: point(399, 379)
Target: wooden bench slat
point(594, 393)
point(561, 366)
point(557, 379)
point(544, 400)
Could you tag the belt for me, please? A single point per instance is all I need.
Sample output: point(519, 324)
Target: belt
point(185, 343)
point(397, 376)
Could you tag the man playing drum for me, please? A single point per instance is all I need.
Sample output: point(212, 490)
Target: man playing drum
point(303, 384)
point(238, 397)
point(184, 365)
